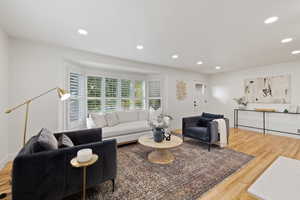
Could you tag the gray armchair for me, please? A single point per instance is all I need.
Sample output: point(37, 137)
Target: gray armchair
point(203, 128)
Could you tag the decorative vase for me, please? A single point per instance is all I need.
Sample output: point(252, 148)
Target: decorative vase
point(158, 134)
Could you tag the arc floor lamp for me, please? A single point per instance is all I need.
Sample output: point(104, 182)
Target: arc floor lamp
point(62, 94)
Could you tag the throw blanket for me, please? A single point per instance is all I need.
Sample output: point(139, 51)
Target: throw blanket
point(222, 131)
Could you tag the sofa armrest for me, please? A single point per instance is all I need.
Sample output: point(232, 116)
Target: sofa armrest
point(49, 175)
point(85, 136)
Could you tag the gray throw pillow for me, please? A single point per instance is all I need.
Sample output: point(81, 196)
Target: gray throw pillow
point(47, 140)
point(64, 141)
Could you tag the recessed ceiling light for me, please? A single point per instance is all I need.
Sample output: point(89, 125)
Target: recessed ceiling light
point(82, 32)
point(271, 20)
point(175, 56)
point(199, 63)
point(296, 52)
point(140, 47)
point(218, 67)
point(286, 40)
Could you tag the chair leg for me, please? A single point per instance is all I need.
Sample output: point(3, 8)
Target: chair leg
point(209, 147)
point(113, 185)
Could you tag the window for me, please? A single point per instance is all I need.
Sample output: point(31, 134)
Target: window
point(126, 93)
point(94, 92)
point(154, 94)
point(75, 105)
point(106, 94)
point(139, 94)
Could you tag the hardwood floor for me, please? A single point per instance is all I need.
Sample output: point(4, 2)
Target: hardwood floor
point(265, 149)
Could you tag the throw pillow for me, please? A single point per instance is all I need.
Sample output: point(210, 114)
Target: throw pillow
point(112, 119)
point(46, 141)
point(203, 121)
point(64, 141)
point(99, 120)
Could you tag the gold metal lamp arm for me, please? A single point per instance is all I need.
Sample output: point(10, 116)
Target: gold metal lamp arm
point(60, 92)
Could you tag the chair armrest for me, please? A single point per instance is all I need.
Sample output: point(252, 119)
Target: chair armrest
point(85, 136)
point(213, 131)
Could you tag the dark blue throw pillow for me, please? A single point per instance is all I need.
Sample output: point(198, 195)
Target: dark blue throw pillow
point(213, 116)
point(203, 121)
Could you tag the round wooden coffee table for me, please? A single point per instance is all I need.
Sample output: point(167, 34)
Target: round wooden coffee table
point(161, 154)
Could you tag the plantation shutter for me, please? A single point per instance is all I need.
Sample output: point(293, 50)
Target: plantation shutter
point(139, 87)
point(75, 108)
point(111, 94)
point(94, 93)
point(154, 88)
point(154, 94)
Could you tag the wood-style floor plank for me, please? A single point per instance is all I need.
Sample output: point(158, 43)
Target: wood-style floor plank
point(265, 148)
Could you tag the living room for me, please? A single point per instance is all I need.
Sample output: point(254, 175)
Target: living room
point(194, 100)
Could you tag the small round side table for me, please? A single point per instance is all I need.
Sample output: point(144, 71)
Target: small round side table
point(84, 165)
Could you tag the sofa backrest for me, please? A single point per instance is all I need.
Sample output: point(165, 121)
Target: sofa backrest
point(128, 116)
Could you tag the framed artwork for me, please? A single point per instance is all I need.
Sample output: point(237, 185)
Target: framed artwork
point(272, 90)
point(181, 90)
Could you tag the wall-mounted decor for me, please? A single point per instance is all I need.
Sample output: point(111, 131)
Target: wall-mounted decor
point(273, 89)
point(181, 90)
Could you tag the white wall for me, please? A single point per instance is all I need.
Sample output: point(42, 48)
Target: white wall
point(226, 86)
point(35, 67)
point(4, 96)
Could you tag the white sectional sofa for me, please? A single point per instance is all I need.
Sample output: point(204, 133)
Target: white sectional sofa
point(125, 126)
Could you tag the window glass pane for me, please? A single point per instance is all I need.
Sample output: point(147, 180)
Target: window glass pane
point(125, 88)
point(94, 105)
point(155, 103)
point(125, 104)
point(94, 86)
point(111, 87)
point(111, 105)
point(154, 88)
point(139, 104)
point(139, 88)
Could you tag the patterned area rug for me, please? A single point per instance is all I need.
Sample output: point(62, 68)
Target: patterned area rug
point(194, 171)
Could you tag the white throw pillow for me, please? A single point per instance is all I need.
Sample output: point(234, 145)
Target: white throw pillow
point(112, 119)
point(143, 115)
point(99, 119)
point(128, 116)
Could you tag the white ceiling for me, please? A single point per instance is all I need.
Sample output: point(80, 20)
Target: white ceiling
point(229, 33)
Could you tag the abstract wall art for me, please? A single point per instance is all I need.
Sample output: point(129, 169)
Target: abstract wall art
point(181, 90)
point(269, 90)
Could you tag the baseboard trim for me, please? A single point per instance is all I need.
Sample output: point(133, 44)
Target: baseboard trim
point(6, 159)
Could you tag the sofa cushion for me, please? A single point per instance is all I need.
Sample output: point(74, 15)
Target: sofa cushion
point(128, 116)
point(99, 119)
point(112, 119)
point(214, 116)
point(143, 115)
point(64, 141)
point(126, 128)
point(197, 132)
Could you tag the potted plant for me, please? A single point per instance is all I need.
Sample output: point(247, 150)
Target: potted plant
point(242, 102)
point(159, 126)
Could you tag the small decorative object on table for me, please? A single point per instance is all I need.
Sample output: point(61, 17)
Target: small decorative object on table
point(82, 155)
point(242, 102)
point(160, 127)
